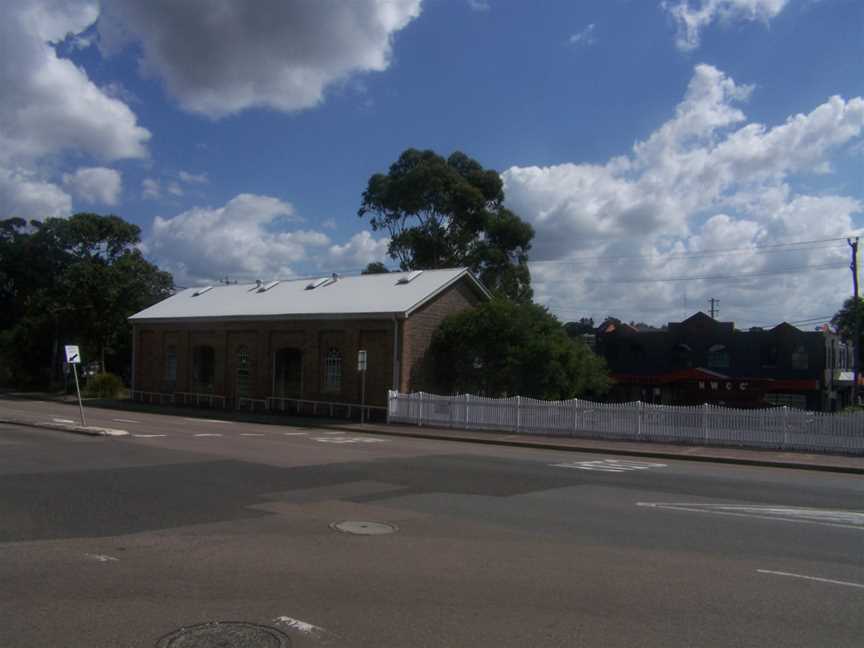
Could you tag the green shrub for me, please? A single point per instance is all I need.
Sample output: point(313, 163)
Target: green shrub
point(104, 385)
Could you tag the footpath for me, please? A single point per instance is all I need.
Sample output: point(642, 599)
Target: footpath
point(714, 454)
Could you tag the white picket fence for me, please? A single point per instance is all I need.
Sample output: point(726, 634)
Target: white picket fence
point(777, 428)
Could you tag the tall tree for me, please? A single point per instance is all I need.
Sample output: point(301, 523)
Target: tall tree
point(449, 212)
point(844, 322)
point(75, 279)
point(503, 348)
point(375, 267)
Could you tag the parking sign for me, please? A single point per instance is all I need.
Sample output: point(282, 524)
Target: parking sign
point(73, 356)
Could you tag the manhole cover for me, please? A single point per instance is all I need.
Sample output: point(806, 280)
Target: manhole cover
point(364, 528)
point(225, 634)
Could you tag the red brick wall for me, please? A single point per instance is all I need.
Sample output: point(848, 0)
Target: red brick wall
point(314, 338)
point(421, 326)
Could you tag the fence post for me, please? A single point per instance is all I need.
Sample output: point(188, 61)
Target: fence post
point(705, 407)
point(467, 400)
point(420, 410)
point(575, 415)
point(518, 413)
point(785, 427)
point(639, 419)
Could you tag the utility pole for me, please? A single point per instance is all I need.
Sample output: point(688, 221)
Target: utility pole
point(714, 311)
point(856, 313)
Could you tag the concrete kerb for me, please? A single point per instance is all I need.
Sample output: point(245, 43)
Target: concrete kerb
point(442, 435)
point(608, 449)
point(89, 430)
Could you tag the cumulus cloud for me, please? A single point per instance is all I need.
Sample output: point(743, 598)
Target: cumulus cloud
point(584, 37)
point(193, 178)
point(278, 54)
point(692, 17)
point(95, 185)
point(704, 180)
point(150, 189)
point(248, 238)
point(49, 106)
point(24, 195)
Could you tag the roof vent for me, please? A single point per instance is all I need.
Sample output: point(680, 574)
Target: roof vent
point(411, 276)
point(323, 281)
point(201, 291)
point(268, 286)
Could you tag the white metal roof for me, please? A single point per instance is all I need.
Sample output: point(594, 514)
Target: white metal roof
point(374, 294)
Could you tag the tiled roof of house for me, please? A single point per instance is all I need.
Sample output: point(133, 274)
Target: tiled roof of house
point(395, 293)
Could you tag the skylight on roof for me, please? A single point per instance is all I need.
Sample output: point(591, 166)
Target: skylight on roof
point(411, 276)
point(267, 287)
point(323, 281)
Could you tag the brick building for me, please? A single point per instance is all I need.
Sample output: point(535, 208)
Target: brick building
point(298, 339)
point(701, 360)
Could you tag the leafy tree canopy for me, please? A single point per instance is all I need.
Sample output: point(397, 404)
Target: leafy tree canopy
point(844, 321)
point(449, 212)
point(375, 267)
point(503, 348)
point(71, 280)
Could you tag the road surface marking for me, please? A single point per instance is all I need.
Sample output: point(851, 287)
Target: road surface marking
point(812, 578)
point(295, 433)
point(609, 465)
point(208, 434)
point(834, 518)
point(125, 421)
point(101, 557)
point(149, 436)
point(334, 433)
point(204, 420)
point(59, 420)
point(298, 625)
point(251, 434)
point(348, 440)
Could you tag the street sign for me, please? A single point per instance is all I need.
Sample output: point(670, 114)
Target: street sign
point(361, 360)
point(73, 356)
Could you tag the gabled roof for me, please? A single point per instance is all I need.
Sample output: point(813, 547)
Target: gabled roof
point(374, 294)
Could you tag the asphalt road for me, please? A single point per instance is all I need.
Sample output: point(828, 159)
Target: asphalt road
point(118, 542)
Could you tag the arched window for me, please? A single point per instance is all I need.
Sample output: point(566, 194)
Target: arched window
point(718, 357)
point(681, 356)
point(169, 379)
point(203, 369)
point(287, 372)
point(244, 372)
point(800, 360)
point(333, 370)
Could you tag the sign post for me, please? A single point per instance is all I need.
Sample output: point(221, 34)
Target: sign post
point(73, 357)
point(361, 367)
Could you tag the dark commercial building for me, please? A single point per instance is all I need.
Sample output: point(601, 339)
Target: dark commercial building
point(701, 360)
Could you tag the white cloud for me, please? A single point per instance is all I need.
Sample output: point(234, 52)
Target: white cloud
point(691, 20)
point(174, 188)
point(49, 106)
point(361, 249)
point(705, 179)
point(23, 195)
point(479, 5)
point(273, 54)
point(95, 185)
point(585, 37)
point(150, 189)
point(193, 178)
point(248, 238)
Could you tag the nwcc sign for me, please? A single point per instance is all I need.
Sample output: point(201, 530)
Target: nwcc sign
point(724, 385)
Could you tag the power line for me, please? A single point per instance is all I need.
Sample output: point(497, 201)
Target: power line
point(775, 248)
point(633, 280)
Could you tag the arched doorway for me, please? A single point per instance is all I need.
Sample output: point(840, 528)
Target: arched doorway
point(288, 373)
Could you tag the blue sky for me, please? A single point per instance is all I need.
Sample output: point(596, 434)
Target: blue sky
point(665, 152)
